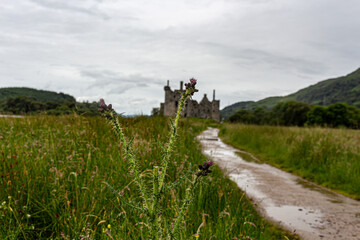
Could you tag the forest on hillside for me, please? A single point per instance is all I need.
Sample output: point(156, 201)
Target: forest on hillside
point(22, 100)
point(25, 105)
point(344, 89)
point(294, 113)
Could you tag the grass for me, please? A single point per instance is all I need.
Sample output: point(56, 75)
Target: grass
point(330, 157)
point(52, 169)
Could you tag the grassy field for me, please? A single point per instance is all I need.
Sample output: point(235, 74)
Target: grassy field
point(52, 171)
point(330, 157)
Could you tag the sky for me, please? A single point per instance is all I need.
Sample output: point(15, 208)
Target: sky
point(125, 51)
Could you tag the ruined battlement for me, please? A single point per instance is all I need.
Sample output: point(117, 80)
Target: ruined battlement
point(204, 109)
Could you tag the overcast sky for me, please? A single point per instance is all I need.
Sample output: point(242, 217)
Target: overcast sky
point(124, 51)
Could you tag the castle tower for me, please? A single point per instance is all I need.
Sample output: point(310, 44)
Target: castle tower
point(204, 109)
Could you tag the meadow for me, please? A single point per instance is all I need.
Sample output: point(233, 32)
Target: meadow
point(330, 157)
point(52, 171)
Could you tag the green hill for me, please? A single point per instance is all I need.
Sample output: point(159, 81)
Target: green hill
point(21, 100)
point(37, 95)
point(344, 89)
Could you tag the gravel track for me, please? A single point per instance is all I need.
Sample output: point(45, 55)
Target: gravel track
point(312, 211)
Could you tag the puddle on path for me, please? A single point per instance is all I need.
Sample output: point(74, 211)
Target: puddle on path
point(333, 197)
point(248, 157)
point(311, 211)
point(246, 182)
point(314, 187)
point(298, 217)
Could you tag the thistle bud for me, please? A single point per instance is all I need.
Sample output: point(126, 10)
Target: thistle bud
point(204, 168)
point(191, 85)
point(106, 110)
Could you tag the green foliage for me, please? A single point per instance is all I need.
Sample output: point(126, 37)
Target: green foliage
point(155, 112)
point(87, 108)
point(342, 89)
point(317, 116)
point(24, 105)
point(34, 94)
point(32, 101)
point(299, 114)
point(20, 105)
point(289, 114)
point(53, 169)
point(243, 116)
point(158, 223)
point(336, 115)
point(327, 156)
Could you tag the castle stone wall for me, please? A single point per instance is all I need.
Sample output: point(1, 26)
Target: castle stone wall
point(204, 109)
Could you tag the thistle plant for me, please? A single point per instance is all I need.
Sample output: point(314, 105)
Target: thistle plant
point(150, 205)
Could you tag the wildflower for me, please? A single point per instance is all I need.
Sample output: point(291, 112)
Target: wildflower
point(204, 168)
point(191, 85)
point(28, 215)
point(106, 110)
point(104, 230)
point(103, 107)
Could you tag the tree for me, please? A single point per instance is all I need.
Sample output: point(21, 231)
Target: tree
point(290, 113)
point(338, 115)
point(155, 112)
point(260, 116)
point(317, 116)
point(243, 116)
point(20, 105)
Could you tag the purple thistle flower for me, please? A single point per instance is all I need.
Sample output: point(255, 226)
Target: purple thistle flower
point(105, 109)
point(102, 103)
point(204, 168)
point(191, 85)
point(193, 81)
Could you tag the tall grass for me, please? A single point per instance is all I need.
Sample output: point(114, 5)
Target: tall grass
point(330, 157)
point(52, 169)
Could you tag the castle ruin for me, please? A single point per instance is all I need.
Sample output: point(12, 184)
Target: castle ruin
point(204, 109)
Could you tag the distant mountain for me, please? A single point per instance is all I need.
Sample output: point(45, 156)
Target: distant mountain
point(37, 95)
point(344, 89)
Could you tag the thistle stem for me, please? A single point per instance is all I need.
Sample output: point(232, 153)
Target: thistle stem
point(188, 198)
point(130, 156)
point(166, 158)
point(156, 228)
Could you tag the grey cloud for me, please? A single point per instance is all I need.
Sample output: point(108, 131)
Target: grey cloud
point(247, 95)
point(253, 46)
point(251, 57)
point(65, 6)
point(118, 82)
point(142, 85)
point(120, 89)
point(107, 77)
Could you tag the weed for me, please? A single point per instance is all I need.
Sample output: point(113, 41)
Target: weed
point(158, 225)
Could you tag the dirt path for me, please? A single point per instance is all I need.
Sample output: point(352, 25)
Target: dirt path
point(311, 211)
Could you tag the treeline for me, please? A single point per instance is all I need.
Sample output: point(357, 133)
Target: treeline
point(35, 94)
point(25, 105)
point(294, 113)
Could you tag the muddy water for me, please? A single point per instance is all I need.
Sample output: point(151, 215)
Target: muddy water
point(310, 210)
